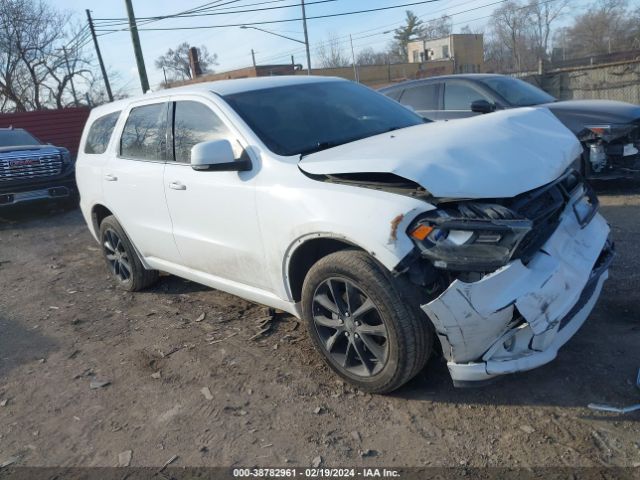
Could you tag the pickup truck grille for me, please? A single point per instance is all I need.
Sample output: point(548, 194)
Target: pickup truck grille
point(27, 164)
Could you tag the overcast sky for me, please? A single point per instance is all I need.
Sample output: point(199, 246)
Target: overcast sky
point(233, 45)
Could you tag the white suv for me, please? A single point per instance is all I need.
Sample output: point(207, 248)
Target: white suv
point(327, 200)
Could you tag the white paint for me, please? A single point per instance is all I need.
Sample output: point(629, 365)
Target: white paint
point(474, 318)
point(489, 156)
point(238, 231)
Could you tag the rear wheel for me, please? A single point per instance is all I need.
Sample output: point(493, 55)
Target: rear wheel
point(366, 326)
point(122, 259)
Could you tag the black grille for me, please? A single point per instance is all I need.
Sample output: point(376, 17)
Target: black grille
point(543, 207)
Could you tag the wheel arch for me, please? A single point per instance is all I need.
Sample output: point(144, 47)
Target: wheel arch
point(98, 213)
point(305, 252)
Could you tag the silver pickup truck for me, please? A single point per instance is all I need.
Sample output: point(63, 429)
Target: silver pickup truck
point(31, 170)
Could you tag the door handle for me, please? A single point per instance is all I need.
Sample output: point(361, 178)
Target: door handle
point(110, 178)
point(177, 186)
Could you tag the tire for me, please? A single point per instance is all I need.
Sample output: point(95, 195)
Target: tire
point(379, 350)
point(122, 259)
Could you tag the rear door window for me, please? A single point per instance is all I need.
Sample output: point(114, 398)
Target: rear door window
point(422, 97)
point(100, 133)
point(144, 135)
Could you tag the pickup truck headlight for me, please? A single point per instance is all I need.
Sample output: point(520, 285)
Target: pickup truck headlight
point(474, 238)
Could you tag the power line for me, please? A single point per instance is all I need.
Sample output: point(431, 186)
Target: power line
point(387, 26)
point(215, 12)
point(332, 15)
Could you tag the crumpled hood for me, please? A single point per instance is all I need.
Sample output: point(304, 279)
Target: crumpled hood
point(490, 156)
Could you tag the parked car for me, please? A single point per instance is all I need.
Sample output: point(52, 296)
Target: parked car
point(321, 197)
point(31, 170)
point(609, 131)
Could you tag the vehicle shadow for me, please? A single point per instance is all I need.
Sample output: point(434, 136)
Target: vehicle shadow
point(19, 345)
point(30, 214)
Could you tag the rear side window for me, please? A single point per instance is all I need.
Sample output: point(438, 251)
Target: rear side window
point(424, 97)
point(144, 135)
point(100, 133)
point(195, 123)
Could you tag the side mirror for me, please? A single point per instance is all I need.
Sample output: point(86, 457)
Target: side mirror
point(217, 156)
point(483, 106)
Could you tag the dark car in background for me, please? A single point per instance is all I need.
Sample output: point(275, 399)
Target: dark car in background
point(31, 170)
point(609, 130)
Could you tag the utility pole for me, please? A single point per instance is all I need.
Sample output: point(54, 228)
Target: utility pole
point(95, 44)
point(306, 38)
point(253, 57)
point(73, 88)
point(355, 66)
point(135, 39)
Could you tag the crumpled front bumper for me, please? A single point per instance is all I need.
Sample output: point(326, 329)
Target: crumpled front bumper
point(518, 317)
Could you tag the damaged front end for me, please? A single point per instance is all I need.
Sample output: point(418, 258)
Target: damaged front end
point(611, 150)
point(517, 278)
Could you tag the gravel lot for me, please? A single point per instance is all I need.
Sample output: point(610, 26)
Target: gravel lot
point(272, 402)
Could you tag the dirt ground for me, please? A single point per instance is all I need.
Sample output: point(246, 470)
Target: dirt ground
point(272, 402)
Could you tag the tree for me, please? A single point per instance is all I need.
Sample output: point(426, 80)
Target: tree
point(332, 53)
point(176, 61)
point(543, 16)
point(368, 56)
point(33, 69)
point(412, 29)
point(605, 26)
point(438, 28)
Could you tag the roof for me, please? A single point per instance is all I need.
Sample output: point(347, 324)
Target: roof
point(459, 76)
point(226, 87)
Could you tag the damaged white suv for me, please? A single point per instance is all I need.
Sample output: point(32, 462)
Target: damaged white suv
point(332, 202)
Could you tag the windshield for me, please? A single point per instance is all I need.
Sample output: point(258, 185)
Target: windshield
point(16, 138)
point(517, 92)
point(306, 118)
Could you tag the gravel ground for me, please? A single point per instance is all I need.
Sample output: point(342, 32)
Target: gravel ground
point(64, 328)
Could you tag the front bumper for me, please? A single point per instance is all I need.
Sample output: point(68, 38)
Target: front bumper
point(42, 189)
point(517, 318)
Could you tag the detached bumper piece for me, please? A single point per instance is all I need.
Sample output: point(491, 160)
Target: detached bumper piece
point(518, 317)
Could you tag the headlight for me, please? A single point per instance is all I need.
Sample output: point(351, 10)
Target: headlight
point(471, 237)
point(66, 156)
point(607, 132)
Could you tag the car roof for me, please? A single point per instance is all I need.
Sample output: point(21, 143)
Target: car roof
point(462, 76)
point(221, 87)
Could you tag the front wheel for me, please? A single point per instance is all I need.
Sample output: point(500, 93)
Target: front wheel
point(122, 259)
point(363, 322)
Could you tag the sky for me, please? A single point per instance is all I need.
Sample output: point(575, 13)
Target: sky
point(233, 45)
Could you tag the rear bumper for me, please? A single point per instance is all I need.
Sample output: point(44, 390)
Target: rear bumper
point(518, 317)
point(44, 189)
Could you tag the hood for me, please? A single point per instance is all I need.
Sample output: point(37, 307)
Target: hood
point(489, 156)
point(21, 148)
point(575, 114)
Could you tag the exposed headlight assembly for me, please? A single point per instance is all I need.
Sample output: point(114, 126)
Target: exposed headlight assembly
point(608, 132)
point(469, 237)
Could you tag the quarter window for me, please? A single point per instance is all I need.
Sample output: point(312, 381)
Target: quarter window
point(195, 123)
point(144, 134)
point(458, 96)
point(100, 133)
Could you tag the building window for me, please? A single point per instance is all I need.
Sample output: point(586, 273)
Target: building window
point(445, 51)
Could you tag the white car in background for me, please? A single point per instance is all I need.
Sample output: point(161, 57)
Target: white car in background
point(327, 200)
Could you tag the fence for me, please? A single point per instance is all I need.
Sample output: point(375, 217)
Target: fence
point(62, 128)
point(611, 81)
